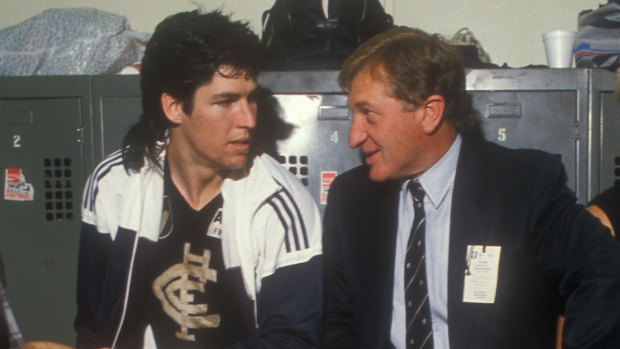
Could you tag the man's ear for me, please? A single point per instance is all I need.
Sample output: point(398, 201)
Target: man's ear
point(172, 107)
point(433, 108)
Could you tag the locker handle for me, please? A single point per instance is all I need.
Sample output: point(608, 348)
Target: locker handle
point(333, 112)
point(503, 110)
point(16, 117)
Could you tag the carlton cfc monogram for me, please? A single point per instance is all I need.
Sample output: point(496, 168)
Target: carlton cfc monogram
point(173, 288)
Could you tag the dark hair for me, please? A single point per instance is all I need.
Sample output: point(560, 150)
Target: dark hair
point(416, 65)
point(184, 53)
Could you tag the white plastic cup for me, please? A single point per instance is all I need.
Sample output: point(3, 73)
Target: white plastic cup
point(559, 48)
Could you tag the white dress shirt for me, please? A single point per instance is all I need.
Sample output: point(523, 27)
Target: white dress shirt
point(437, 183)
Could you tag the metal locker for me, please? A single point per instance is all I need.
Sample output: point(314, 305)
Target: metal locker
point(42, 159)
point(318, 149)
point(536, 108)
point(117, 106)
point(605, 129)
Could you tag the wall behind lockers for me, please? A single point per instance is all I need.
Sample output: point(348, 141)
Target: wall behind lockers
point(510, 31)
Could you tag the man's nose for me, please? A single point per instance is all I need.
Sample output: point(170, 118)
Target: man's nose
point(357, 134)
point(247, 115)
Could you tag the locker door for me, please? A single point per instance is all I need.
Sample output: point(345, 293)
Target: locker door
point(317, 149)
point(543, 109)
point(532, 119)
point(41, 155)
point(606, 130)
point(610, 141)
point(117, 106)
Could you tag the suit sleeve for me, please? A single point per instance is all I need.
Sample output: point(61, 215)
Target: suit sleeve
point(338, 326)
point(289, 303)
point(580, 257)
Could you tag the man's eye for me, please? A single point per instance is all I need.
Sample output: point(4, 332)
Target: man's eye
point(224, 102)
point(253, 96)
point(370, 116)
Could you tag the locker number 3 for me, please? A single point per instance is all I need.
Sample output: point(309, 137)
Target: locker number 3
point(17, 141)
point(501, 134)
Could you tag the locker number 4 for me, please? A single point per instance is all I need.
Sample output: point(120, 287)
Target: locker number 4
point(501, 134)
point(17, 141)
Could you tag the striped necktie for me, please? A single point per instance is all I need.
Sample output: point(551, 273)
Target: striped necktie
point(419, 325)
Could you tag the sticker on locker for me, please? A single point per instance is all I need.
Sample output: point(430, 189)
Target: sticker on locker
point(327, 177)
point(15, 186)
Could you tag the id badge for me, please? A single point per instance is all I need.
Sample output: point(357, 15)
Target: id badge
point(481, 274)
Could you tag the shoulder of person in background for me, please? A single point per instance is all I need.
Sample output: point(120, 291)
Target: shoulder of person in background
point(606, 207)
point(600, 214)
point(44, 345)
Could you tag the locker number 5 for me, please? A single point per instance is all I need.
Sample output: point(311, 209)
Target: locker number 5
point(17, 141)
point(501, 134)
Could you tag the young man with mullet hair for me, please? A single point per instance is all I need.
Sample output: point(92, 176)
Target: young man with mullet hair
point(189, 239)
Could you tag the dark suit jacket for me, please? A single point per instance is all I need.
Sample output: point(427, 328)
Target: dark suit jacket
point(555, 256)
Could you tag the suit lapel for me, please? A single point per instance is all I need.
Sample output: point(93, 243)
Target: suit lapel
point(381, 232)
point(468, 226)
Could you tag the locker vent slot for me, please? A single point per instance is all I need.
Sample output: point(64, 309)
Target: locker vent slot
point(58, 189)
point(297, 165)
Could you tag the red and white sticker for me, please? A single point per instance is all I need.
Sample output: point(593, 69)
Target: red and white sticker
point(15, 186)
point(327, 177)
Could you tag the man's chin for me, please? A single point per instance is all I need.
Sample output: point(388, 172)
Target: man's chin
point(238, 162)
point(377, 175)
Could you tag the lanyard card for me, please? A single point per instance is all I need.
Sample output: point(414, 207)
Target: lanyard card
point(481, 274)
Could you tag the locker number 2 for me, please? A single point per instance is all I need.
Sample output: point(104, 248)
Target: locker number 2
point(501, 134)
point(17, 141)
